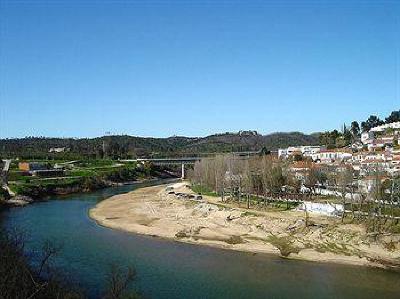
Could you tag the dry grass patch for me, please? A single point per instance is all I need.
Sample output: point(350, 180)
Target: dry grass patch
point(284, 244)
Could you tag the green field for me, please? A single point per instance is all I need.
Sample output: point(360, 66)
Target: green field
point(82, 174)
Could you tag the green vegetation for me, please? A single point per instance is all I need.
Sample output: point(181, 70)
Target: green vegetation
point(284, 244)
point(235, 240)
point(84, 176)
point(204, 190)
point(336, 248)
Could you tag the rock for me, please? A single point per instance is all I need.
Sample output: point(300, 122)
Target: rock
point(26, 198)
point(19, 200)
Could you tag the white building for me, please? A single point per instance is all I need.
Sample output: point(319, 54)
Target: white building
point(367, 137)
point(58, 149)
point(328, 156)
point(305, 150)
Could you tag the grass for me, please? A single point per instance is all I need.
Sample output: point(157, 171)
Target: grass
point(88, 174)
point(27, 187)
point(234, 240)
point(181, 234)
point(81, 173)
point(335, 248)
point(395, 229)
point(284, 244)
point(204, 190)
point(248, 213)
point(327, 198)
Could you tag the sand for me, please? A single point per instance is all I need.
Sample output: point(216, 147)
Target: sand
point(152, 211)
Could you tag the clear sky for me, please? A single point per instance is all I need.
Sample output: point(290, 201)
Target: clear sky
point(162, 68)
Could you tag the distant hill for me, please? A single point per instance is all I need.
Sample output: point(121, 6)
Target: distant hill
point(248, 142)
point(125, 146)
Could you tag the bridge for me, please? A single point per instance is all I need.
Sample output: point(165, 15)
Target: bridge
point(187, 160)
point(168, 161)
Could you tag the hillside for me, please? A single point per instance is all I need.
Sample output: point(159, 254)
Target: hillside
point(131, 146)
point(246, 141)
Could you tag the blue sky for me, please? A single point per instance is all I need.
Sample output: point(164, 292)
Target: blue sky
point(162, 68)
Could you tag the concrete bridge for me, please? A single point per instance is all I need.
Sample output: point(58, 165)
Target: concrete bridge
point(187, 160)
point(168, 161)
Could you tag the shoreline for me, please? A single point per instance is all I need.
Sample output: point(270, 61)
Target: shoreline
point(21, 200)
point(151, 211)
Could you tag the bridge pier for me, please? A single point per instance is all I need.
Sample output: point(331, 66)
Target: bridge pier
point(183, 171)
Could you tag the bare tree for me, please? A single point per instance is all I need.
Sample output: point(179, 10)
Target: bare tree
point(118, 281)
point(344, 178)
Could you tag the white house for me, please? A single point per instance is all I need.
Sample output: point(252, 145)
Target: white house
point(367, 137)
point(305, 150)
point(327, 156)
point(58, 149)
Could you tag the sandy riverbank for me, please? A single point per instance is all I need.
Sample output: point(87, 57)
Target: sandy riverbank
point(152, 211)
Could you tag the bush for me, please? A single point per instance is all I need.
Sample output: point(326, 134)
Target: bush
point(284, 244)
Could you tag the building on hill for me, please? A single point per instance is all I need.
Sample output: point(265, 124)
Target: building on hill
point(371, 135)
point(367, 137)
point(331, 156)
point(58, 149)
point(304, 150)
point(248, 133)
point(300, 169)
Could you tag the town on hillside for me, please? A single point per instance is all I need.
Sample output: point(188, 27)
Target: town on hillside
point(374, 151)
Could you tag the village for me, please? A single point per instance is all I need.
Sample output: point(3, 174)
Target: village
point(375, 157)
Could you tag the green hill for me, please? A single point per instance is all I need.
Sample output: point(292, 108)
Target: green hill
point(130, 146)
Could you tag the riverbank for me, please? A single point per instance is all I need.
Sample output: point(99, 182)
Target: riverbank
point(158, 211)
point(41, 192)
point(72, 177)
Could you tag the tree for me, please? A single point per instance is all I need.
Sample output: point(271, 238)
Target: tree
point(344, 179)
point(364, 126)
point(118, 282)
point(355, 129)
point(347, 135)
point(311, 179)
point(393, 117)
point(371, 122)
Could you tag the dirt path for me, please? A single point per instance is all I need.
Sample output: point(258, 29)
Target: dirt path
point(152, 211)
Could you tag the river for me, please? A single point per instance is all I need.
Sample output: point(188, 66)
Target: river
point(168, 269)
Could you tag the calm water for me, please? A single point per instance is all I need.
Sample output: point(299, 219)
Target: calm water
point(168, 269)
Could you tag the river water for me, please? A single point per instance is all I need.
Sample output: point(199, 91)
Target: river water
point(168, 269)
